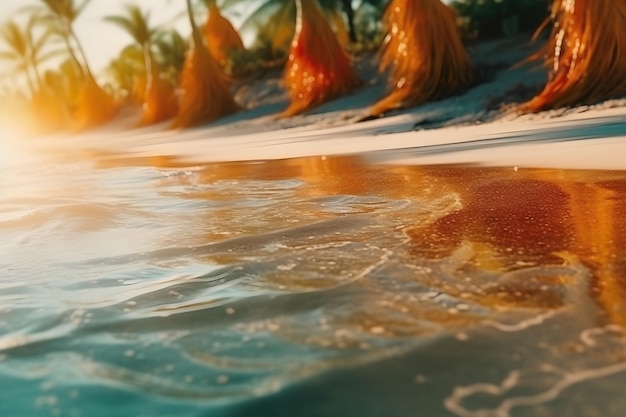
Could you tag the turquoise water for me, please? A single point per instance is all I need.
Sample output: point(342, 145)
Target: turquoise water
point(309, 287)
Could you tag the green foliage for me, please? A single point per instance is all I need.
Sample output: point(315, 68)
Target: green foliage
point(273, 22)
point(125, 70)
point(368, 24)
point(169, 50)
point(496, 18)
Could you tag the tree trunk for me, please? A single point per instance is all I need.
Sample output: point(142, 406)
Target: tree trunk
point(81, 52)
point(347, 8)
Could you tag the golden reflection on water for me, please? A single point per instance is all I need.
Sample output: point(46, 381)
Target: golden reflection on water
point(514, 238)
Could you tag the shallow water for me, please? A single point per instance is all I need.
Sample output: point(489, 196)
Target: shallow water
point(309, 287)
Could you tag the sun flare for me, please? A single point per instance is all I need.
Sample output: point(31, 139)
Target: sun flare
point(3, 150)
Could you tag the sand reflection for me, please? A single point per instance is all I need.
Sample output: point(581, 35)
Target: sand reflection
point(506, 238)
point(533, 228)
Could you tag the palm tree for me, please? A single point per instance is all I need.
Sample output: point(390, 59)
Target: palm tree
point(219, 34)
point(93, 105)
point(159, 101)
point(61, 15)
point(127, 72)
point(315, 74)
point(205, 95)
point(28, 53)
point(19, 51)
point(274, 22)
point(170, 53)
point(424, 53)
point(585, 54)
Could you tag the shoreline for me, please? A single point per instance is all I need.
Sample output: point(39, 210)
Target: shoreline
point(458, 130)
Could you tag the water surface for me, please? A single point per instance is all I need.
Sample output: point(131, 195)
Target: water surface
point(308, 287)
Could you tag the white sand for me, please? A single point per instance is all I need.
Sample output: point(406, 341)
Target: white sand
point(452, 131)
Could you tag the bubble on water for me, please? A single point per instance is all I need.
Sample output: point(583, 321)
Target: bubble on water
point(462, 337)
point(47, 401)
point(377, 330)
point(273, 327)
point(287, 267)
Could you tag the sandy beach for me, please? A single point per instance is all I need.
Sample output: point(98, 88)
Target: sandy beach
point(477, 127)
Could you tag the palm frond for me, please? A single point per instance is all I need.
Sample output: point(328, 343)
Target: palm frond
point(8, 56)
point(15, 38)
point(170, 48)
point(50, 55)
point(135, 23)
point(43, 41)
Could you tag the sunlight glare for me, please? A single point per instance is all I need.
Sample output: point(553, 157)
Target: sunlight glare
point(11, 137)
point(3, 150)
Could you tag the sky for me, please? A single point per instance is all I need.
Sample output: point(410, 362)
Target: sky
point(102, 40)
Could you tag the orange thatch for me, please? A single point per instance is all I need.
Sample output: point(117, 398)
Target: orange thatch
point(588, 54)
point(220, 35)
point(137, 95)
point(160, 101)
point(424, 53)
point(318, 68)
point(93, 105)
point(205, 95)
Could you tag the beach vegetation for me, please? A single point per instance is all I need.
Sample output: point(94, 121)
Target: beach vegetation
point(25, 50)
point(315, 74)
point(492, 19)
point(219, 34)
point(93, 106)
point(585, 54)
point(423, 54)
point(204, 89)
point(158, 95)
point(420, 48)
